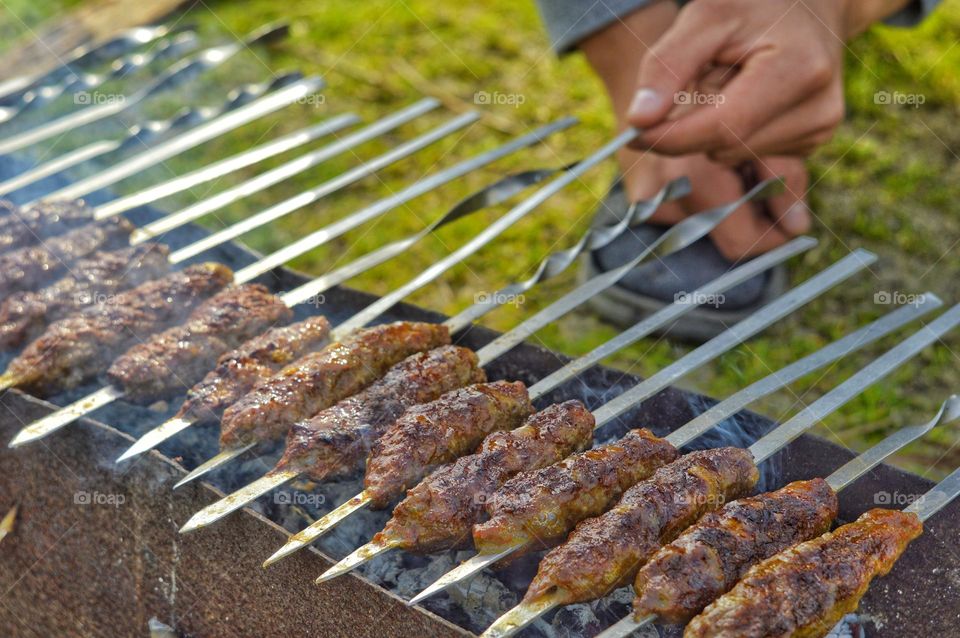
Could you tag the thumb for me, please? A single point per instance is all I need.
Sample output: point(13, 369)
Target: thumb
point(681, 55)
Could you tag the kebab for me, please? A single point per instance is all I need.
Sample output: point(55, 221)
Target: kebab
point(644, 451)
point(424, 521)
point(807, 589)
point(596, 478)
point(31, 267)
point(24, 315)
point(606, 552)
point(708, 559)
point(311, 448)
point(493, 194)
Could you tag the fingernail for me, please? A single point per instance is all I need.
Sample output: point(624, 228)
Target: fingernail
point(797, 218)
point(645, 103)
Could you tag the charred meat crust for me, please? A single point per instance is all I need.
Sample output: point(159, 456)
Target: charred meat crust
point(239, 371)
point(539, 508)
point(605, 552)
point(335, 442)
point(43, 220)
point(31, 267)
point(173, 360)
point(804, 591)
point(77, 348)
point(320, 379)
point(708, 559)
point(438, 432)
point(24, 315)
point(439, 512)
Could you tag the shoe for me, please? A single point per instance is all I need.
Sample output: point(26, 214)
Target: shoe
point(657, 284)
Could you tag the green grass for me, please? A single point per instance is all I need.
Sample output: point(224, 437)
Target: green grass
point(887, 182)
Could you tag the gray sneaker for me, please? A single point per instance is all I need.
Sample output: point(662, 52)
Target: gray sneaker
point(652, 286)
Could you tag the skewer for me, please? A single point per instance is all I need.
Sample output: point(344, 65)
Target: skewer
point(840, 348)
point(9, 522)
point(147, 132)
point(714, 348)
point(297, 166)
point(756, 322)
point(45, 94)
point(188, 67)
point(838, 480)
point(170, 428)
point(83, 55)
point(499, 191)
point(528, 611)
point(261, 107)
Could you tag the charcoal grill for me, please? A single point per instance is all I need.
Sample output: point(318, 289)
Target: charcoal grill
point(95, 551)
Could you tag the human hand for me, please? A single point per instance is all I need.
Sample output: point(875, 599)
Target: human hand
point(783, 95)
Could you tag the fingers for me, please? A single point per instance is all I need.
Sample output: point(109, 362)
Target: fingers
point(789, 210)
point(678, 57)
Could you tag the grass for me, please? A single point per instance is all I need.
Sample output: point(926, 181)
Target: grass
point(887, 182)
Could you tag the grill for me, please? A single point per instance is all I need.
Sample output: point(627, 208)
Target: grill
point(96, 549)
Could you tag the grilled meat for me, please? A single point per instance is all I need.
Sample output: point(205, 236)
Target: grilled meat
point(80, 346)
point(804, 591)
point(241, 370)
point(320, 379)
point(439, 512)
point(539, 508)
point(335, 442)
point(30, 267)
point(170, 361)
point(708, 559)
point(605, 552)
point(438, 432)
point(38, 222)
point(24, 315)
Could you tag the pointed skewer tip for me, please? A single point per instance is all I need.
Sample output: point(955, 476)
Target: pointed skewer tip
point(523, 614)
point(360, 556)
point(320, 527)
point(463, 571)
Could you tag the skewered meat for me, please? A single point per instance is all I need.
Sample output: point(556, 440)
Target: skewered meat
point(35, 223)
point(24, 315)
point(320, 379)
point(439, 512)
point(170, 361)
point(605, 552)
point(539, 508)
point(30, 267)
point(709, 558)
point(804, 591)
point(241, 370)
point(438, 432)
point(335, 442)
point(79, 347)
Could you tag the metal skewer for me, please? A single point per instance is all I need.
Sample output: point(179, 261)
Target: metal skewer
point(13, 88)
point(178, 72)
point(45, 94)
point(63, 417)
point(746, 328)
point(838, 480)
point(832, 352)
point(169, 428)
point(145, 133)
point(295, 167)
point(260, 107)
point(526, 612)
